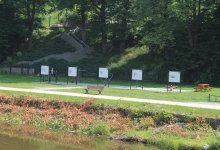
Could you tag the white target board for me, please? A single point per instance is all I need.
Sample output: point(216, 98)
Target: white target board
point(136, 74)
point(72, 71)
point(174, 76)
point(103, 73)
point(44, 70)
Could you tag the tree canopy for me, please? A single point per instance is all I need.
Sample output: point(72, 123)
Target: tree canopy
point(181, 34)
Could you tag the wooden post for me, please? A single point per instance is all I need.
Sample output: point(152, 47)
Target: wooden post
point(56, 77)
point(28, 69)
point(76, 78)
point(22, 71)
point(180, 81)
point(67, 79)
point(142, 81)
point(130, 78)
point(10, 68)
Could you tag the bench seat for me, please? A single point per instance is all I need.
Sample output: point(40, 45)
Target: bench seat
point(98, 88)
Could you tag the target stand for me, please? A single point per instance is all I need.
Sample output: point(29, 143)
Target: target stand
point(44, 73)
point(174, 77)
point(104, 75)
point(137, 75)
point(72, 73)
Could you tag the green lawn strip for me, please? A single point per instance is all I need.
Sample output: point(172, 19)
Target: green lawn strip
point(12, 78)
point(168, 141)
point(134, 106)
point(23, 81)
point(31, 85)
point(144, 94)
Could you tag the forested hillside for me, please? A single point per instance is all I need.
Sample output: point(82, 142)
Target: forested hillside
point(153, 35)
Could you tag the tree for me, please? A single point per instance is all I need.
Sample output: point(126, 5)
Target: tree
point(100, 7)
point(31, 10)
point(11, 30)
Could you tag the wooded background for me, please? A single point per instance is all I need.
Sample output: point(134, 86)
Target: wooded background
point(176, 34)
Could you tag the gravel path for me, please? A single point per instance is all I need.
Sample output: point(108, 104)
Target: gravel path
point(207, 105)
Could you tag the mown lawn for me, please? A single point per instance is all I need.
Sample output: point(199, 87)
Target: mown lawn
point(22, 81)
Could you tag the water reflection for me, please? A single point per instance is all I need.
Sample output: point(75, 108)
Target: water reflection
point(24, 143)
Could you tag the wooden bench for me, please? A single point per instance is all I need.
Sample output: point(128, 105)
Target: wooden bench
point(171, 87)
point(202, 87)
point(94, 88)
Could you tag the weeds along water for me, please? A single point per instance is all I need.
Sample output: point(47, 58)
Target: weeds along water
point(156, 128)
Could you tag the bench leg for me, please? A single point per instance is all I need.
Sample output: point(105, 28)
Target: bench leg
point(100, 92)
point(87, 91)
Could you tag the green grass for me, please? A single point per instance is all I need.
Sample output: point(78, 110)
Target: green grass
point(153, 136)
point(166, 141)
point(54, 17)
point(19, 81)
point(170, 96)
point(22, 81)
point(133, 106)
point(130, 55)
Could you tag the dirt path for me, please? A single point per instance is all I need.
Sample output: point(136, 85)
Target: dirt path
point(207, 105)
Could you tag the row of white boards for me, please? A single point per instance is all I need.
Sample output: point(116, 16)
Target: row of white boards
point(174, 76)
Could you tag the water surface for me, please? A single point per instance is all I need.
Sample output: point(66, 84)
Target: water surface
point(26, 143)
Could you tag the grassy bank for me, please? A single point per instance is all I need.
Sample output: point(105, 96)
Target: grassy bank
point(129, 105)
point(163, 129)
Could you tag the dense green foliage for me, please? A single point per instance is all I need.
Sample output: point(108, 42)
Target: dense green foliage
point(11, 31)
point(177, 34)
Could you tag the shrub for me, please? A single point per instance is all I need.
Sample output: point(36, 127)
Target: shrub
point(188, 119)
point(55, 124)
point(145, 123)
point(165, 117)
point(196, 127)
point(99, 128)
point(214, 146)
point(136, 116)
point(12, 119)
point(37, 122)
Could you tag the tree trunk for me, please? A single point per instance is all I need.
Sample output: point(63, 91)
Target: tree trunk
point(124, 26)
point(31, 18)
point(30, 36)
point(83, 21)
point(103, 27)
point(192, 29)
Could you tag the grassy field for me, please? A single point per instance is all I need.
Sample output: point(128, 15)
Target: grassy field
point(21, 81)
point(165, 137)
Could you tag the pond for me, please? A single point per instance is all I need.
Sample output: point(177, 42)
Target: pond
point(92, 143)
